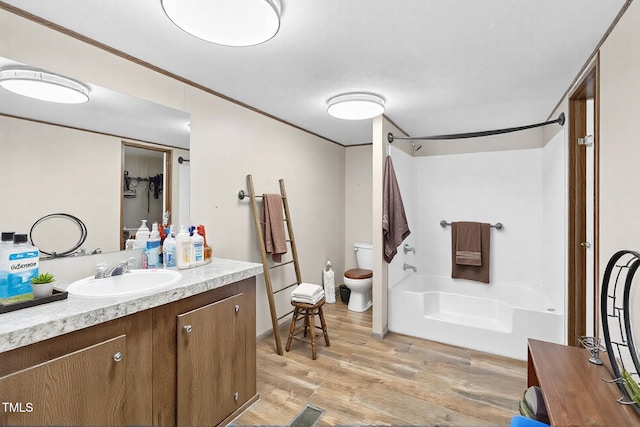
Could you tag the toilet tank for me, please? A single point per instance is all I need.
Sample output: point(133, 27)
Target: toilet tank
point(364, 255)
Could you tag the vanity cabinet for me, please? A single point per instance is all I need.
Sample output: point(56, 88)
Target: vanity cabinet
point(211, 361)
point(95, 376)
point(205, 357)
point(188, 362)
point(85, 387)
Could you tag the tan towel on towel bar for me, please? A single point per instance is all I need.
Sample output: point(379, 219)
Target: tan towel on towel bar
point(273, 226)
point(394, 221)
point(472, 272)
point(469, 243)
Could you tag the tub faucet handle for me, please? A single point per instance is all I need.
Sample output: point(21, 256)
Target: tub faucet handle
point(409, 267)
point(408, 249)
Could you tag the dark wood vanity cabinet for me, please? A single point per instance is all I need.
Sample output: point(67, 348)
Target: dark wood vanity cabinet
point(190, 362)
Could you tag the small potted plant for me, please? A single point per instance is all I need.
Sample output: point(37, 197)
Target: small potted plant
point(42, 285)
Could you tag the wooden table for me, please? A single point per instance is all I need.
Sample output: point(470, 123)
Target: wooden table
point(573, 390)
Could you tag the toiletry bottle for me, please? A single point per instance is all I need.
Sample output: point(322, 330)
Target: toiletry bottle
point(18, 265)
point(169, 249)
point(153, 247)
point(198, 248)
point(140, 245)
point(5, 244)
point(208, 252)
point(183, 248)
point(7, 239)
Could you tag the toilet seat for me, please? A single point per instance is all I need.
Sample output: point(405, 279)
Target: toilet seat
point(358, 273)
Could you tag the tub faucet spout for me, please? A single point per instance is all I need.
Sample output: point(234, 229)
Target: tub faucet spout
point(409, 267)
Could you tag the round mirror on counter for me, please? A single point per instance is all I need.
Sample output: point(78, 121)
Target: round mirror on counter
point(64, 234)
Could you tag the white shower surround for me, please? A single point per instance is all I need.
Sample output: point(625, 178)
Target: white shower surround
point(524, 190)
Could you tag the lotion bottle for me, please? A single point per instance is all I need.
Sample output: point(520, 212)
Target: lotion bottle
point(153, 247)
point(183, 248)
point(169, 249)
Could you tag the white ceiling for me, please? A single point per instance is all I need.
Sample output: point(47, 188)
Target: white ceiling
point(442, 66)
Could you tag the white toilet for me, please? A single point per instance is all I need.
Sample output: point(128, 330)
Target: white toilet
point(360, 280)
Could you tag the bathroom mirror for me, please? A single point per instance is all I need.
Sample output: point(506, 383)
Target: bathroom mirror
point(68, 158)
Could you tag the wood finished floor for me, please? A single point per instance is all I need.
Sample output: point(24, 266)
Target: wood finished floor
point(396, 381)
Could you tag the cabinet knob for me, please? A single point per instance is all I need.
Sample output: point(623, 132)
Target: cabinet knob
point(117, 357)
point(237, 308)
point(236, 396)
point(187, 328)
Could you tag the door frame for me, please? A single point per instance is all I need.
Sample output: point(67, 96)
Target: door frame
point(586, 88)
point(166, 191)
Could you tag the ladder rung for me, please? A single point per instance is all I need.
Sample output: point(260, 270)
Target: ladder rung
point(286, 287)
point(280, 265)
point(285, 315)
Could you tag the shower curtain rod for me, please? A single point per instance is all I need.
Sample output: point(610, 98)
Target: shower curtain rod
point(559, 120)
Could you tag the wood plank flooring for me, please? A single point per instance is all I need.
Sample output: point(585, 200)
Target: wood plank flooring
point(396, 381)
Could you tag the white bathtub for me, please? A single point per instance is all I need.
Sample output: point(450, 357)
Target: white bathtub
point(493, 318)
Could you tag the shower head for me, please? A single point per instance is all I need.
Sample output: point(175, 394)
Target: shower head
point(415, 146)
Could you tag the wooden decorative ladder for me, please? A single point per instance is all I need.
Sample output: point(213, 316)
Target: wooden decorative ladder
point(263, 255)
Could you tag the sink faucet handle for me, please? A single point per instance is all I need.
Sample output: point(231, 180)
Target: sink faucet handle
point(101, 270)
point(128, 264)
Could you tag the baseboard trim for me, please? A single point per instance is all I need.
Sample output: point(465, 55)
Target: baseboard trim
point(381, 336)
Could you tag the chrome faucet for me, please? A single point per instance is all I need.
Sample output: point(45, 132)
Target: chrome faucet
point(102, 271)
point(406, 248)
point(409, 267)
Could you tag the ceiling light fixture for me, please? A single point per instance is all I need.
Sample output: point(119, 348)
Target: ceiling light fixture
point(43, 86)
point(356, 106)
point(226, 22)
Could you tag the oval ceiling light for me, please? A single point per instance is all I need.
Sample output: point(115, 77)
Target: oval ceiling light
point(226, 22)
point(43, 86)
point(356, 106)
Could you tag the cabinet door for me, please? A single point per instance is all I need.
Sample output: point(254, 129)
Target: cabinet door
point(86, 387)
point(207, 365)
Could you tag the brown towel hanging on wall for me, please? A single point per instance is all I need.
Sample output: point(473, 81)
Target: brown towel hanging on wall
point(469, 264)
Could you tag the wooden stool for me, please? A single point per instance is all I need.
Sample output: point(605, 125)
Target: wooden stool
point(308, 313)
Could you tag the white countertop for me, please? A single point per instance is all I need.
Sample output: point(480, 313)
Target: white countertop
point(29, 325)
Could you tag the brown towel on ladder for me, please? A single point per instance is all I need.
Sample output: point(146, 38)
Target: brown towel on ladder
point(464, 270)
point(273, 226)
point(394, 221)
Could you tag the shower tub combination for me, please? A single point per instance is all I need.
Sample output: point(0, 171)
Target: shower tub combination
point(493, 318)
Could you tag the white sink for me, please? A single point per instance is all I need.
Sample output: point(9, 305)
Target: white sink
point(132, 283)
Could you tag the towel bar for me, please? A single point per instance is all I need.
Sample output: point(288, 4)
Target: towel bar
point(497, 225)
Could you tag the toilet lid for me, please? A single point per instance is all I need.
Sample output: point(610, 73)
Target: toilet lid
point(358, 273)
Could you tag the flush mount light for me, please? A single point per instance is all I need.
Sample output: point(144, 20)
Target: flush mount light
point(226, 22)
point(356, 106)
point(43, 85)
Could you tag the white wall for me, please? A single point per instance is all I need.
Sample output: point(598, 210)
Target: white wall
point(358, 193)
point(619, 209)
point(489, 187)
point(227, 143)
point(34, 184)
